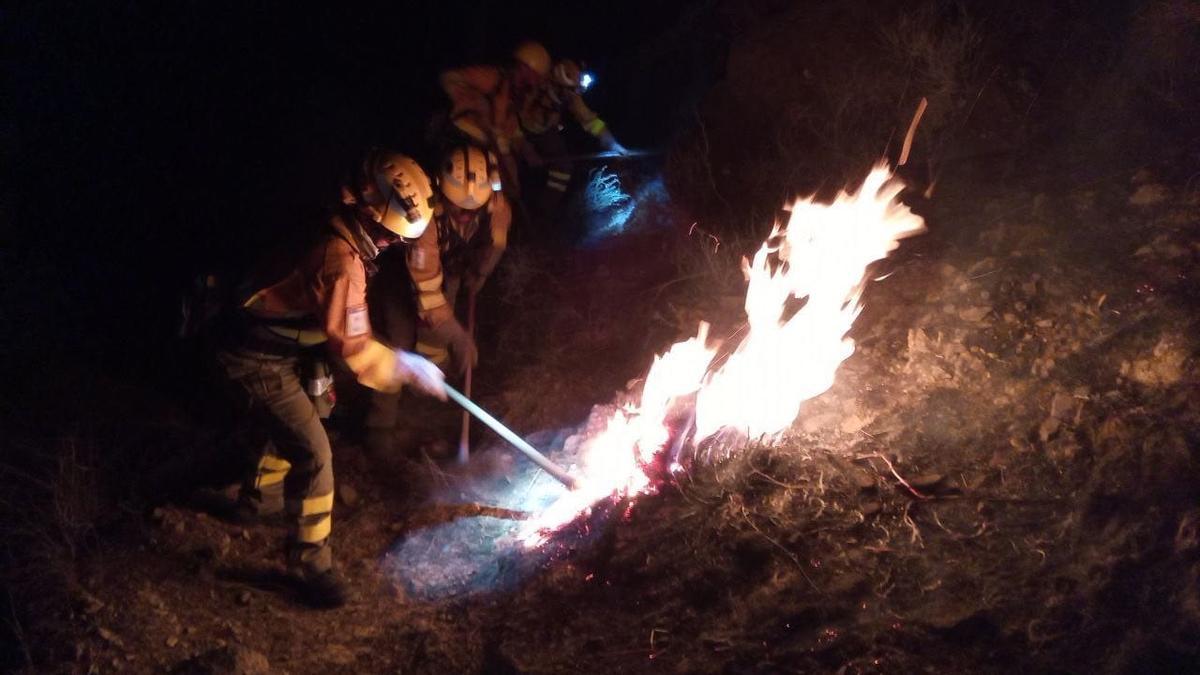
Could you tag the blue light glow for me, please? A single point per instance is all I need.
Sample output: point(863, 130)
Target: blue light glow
point(467, 544)
point(610, 208)
point(586, 80)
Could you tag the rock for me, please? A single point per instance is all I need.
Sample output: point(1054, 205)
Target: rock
point(926, 481)
point(1187, 535)
point(974, 314)
point(349, 495)
point(172, 641)
point(244, 598)
point(340, 654)
point(1163, 366)
point(814, 423)
point(862, 480)
point(1063, 406)
point(852, 423)
point(226, 660)
point(109, 636)
point(1148, 194)
point(870, 508)
point(91, 604)
point(1048, 428)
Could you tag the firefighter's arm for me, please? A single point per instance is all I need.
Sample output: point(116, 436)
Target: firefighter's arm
point(586, 117)
point(592, 123)
point(424, 258)
point(433, 309)
point(499, 220)
point(341, 290)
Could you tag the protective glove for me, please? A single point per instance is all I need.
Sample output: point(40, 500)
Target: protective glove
point(462, 345)
point(418, 372)
point(610, 143)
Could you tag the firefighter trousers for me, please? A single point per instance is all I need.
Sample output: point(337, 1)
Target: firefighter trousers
point(293, 469)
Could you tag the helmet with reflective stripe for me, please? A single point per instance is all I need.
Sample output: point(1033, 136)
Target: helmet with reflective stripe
point(567, 73)
point(534, 55)
point(468, 176)
point(409, 206)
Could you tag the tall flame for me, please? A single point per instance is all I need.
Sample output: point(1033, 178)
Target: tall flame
point(818, 263)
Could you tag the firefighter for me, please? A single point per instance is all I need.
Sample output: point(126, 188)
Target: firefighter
point(458, 251)
point(485, 100)
point(541, 119)
point(303, 304)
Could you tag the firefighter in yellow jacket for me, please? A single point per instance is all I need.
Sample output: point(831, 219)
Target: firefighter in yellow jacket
point(310, 301)
point(459, 250)
point(485, 101)
point(541, 123)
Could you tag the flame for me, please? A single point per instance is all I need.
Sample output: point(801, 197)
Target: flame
point(819, 262)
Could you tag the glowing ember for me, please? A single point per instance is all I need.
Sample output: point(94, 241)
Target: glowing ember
point(818, 262)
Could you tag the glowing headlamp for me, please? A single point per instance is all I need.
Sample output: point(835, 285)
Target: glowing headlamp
point(585, 81)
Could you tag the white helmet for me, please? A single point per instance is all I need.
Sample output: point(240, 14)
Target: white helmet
point(409, 193)
point(469, 176)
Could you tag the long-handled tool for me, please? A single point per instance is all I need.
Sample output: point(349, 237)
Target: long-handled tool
point(464, 441)
point(528, 450)
point(606, 154)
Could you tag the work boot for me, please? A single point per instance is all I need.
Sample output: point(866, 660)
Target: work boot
point(321, 590)
point(235, 510)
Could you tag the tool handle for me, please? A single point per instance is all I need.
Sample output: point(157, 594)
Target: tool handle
point(508, 435)
point(464, 440)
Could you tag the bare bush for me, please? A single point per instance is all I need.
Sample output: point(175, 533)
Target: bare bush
point(803, 110)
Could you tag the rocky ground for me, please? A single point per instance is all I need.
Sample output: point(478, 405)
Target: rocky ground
point(1005, 477)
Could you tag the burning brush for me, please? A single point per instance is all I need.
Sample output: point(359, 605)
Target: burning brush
point(693, 405)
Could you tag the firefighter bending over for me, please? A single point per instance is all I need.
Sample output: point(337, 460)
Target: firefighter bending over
point(300, 306)
point(485, 101)
point(541, 120)
point(459, 250)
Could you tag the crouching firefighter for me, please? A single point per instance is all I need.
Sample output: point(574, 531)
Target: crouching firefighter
point(415, 298)
point(304, 304)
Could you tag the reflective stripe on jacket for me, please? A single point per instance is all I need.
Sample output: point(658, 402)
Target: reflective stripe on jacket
point(442, 241)
point(322, 297)
point(543, 112)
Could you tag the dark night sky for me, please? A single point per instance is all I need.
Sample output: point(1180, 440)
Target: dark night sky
point(153, 139)
point(148, 141)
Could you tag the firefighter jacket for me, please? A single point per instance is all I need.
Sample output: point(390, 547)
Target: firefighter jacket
point(322, 298)
point(482, 105)
point(543, 112)
point(447, 248)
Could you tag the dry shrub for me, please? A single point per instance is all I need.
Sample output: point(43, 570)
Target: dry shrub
point(814, 95)
point(54, 502)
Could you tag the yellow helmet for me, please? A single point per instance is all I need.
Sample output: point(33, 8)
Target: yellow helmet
point(534, 55)
point(468, 177)
point(409, 206)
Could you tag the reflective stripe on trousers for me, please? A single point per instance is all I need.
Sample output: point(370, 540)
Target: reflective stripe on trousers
point(297, 457)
